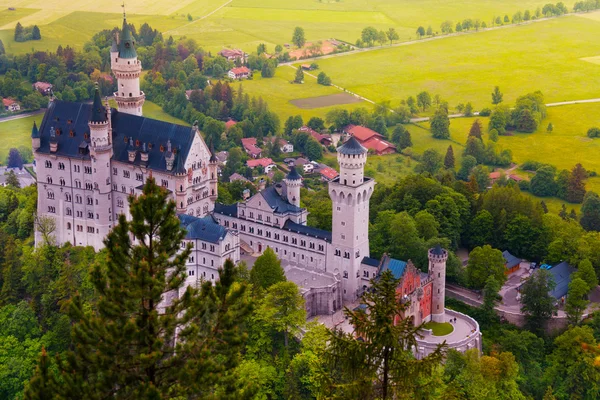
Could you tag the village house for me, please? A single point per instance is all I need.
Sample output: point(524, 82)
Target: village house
point(266, 163)
point(370, 139)
point(511, 263)
point(10, 105)
point(251, 148)
point(237, 177)
point(230, 124)
point(328, 174)
point(284, 145)
point(239, 73)
point(44, 88)
point(308, 168)
point(233, 55)
point(325, 140)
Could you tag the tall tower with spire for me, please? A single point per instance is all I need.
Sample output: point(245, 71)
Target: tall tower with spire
point(127, 69)
point(350, 194)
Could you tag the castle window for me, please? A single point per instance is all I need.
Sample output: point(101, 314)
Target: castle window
point(87, 170)
point(439, 275)
point(52, 209)
point(48, 164)
point(123, 189)
point(90, 215)
point(125, 174)
point(137, 142)
point(115, 187)
point(115, 171)
point(68, 197)
point(68, 226)
point(61, 166)
point(346, 254)
point(162, 148)
point(62, 182)
point(338, 252)
point(49, 180)
point(72, 133)
point(120, 203)
point(77, 184)
point(343, 236)
point(50, 194)
point(76, 168)
point(320, 247)
point(90, 201)
point(86, 136)
point(346, 274)
point(78, 199)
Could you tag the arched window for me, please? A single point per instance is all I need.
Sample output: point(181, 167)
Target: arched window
point(68, 225)
point(50, 194)
point(49, 180)
point(68, 197)
point(68, 211)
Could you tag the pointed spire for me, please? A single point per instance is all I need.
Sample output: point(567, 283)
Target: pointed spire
point(127, 42)
point(352, 146)
point(293, 174)
point(35, 133)
point(213, 156)
point(98, 110)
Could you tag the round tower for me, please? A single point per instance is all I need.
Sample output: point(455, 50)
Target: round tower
point(213, 170)
point(101, 151)
point(293, 183)
point(127, 69)
point(437, 270)
point(352, 158)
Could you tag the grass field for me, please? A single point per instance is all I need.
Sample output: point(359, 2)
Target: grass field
point(279, 92)
point(542, 56)
point(16, 133)
point(245, 23)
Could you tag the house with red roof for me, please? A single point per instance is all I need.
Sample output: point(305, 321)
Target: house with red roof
point(239, 73)
point(251, 148)
point(370, 139)
point(233, 54)
point(284, 145)
point(325, 140)
point(10, 105)
point(230, 123)
point(44, 88)
point(328, 174)
point(266, 163)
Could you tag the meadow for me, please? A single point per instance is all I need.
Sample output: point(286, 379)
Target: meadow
point(16, 133)
point(546, 55)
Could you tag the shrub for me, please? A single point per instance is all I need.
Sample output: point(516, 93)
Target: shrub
point(531, 165)
point(524, 186)
point(593, 132)
point(485, 112)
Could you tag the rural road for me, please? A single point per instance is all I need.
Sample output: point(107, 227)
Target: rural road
point(24, 115)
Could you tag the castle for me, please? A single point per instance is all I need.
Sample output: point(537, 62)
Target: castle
point(90, 158)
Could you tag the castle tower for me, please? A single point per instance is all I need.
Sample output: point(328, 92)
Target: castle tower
point(350, 194)
point(127, 69)
point(35, 137)
point(293, 183)
point(437, 269)
point(101, 152)
point(213, 171)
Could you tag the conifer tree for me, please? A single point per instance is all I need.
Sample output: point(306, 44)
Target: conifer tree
point(19, 31)
point(379, 365)
point(148, 337)
point(449, 162)
point(41, 385)
point(475, 129)
point(576, 184)
point(35, 33)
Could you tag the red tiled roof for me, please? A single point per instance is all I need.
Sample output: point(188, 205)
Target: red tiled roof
point(250, 146)
point(378, 145)
point(515, 178)
point(494, 175)
point(328, 173)
point(231, 53)
point(8, 102)
point(265, 162)
point(361, 133)
point(240, 71)
point(42, 85)
point(231, 123)
point(318, 137)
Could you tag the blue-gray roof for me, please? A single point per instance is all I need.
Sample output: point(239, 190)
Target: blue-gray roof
point(126, 42)
point(562, 274)
point(307, 230)
point(293, 174)
point(352, 146)
point(396, 266)
point(66, 116)
point(437, 250)
point(278, 203)
point(510, 260)
point(206, 229)
point(98, 110)
point(373, 262)
point(230, 209)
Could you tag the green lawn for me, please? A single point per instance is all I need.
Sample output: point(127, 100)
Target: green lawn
point(152, 110)
point(542, 56)
point(439, 329)
point(16, 133)
point(278, 91)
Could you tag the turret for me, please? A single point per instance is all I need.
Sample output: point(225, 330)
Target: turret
point(293, 183)
point(213, 170)
point(437, 271)
point(99, 126)
point(352, 158)
point(35, 137)
point(127, 69)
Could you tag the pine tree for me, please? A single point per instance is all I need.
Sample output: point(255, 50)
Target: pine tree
point(475, 129)
point(576, 184)
point(497, 96)
point(126, 347)
point(449, 162)
point(563, 212)
point(299, 75)
point(380, 365)
point(41, 386)
point(440, 124)
point(35, 33)
point(19, 31)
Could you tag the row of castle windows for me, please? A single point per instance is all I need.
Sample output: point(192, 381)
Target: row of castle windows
point(285, 252)
point(90, 229)
point(191, 273)
point(76, 168)
point(62, 182)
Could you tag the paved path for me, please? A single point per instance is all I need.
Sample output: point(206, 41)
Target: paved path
point(199, 19)
point(24, 115)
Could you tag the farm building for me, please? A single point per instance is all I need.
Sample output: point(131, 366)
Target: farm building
point(325, 140)
point(370, 139)
point(239, 73)
point(44, 88)
point(511, 263)
point(263, 162)
point(233, 54)
point(10, 105)
point(328, 174)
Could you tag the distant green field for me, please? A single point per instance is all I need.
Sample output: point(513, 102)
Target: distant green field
point(16, 133)
point(279, 91)
point(542, 56)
